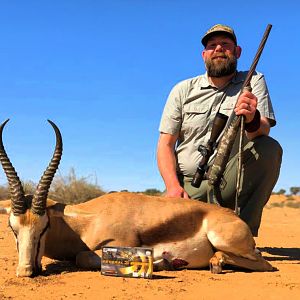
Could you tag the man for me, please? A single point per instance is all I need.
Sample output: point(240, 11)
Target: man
point(187, 122)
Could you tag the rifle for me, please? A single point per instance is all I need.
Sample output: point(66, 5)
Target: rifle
point(224, 147)
point(226, 143)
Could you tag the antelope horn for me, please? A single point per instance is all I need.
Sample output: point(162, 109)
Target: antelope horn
point(39, 200)
point(16, 189)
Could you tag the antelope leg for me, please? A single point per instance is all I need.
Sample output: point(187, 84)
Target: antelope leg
point(258, 263)
point(89, 259)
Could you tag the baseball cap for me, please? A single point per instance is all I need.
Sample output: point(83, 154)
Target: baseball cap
point(218, 28)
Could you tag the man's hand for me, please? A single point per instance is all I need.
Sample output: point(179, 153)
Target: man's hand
point(246, 105)
point(176, 191)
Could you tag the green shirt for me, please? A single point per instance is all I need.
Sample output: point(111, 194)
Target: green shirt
point(192, 106)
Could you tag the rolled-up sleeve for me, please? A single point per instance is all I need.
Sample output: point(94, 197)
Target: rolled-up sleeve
point(171, 119)
point(264, 105)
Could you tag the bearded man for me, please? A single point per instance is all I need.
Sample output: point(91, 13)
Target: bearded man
point(187, 122)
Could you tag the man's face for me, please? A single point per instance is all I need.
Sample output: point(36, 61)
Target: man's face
point(220, 56)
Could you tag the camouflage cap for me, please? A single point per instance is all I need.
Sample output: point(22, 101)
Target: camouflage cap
point(219, 28)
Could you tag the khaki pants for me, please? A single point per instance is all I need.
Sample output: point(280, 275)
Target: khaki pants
point(261, 166)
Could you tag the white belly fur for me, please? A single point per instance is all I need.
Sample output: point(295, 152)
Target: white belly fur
point(196, 251)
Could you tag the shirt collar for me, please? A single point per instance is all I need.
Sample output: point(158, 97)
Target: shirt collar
point(204, 82)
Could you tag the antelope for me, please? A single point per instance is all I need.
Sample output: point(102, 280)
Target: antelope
point(183, 233)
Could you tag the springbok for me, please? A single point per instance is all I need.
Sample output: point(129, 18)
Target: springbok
point(183, 233)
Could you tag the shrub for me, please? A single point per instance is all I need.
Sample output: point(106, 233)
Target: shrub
point(4, 192)
point(29, 187)
point(280, 192)
point(70, 189)
point(275, 204)
point(295, 190)
point(152, 192)
point(64, 189)
point(292, 204)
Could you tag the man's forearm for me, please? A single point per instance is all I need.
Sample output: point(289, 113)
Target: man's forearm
point(166, 161)
point(167, 165)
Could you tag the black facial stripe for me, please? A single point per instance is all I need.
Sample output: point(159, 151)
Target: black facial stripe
point(9, 225)
point(39, 244)
point(15, 234)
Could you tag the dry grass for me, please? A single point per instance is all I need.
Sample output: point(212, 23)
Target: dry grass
point(70, 189)
point(284, 201)
point(64, 189)
point(4, 192)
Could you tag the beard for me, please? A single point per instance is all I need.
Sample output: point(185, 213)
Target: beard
point(220, 68)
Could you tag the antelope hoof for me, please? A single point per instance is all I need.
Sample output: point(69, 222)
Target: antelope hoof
point(215, 269)
point(215, 265)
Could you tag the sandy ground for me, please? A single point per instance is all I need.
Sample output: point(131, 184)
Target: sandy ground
point(279, 241)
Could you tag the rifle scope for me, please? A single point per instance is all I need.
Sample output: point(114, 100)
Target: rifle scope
point(206, 151)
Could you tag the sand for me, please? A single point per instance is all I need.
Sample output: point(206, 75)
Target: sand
point(279, 241)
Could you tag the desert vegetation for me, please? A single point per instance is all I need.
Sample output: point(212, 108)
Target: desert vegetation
point(70, 188)
point(282, 198)
point(65, 188)
point(294, 190)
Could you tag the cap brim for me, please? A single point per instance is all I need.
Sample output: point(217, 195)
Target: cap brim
point(209, 35)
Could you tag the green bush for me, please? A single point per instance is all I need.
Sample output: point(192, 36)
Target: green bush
point(280, 192)
point(152, 192)
point(295, 190)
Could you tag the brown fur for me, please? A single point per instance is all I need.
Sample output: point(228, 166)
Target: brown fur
point(182, 227)
point(28, 219)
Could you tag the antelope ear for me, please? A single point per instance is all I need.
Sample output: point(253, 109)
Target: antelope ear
point(5, 207)
point(55, 209)
point(50, 203)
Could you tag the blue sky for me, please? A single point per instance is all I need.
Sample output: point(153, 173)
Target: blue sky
point(102, 70)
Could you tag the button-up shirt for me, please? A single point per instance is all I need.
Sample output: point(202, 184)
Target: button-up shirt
point(191, 108)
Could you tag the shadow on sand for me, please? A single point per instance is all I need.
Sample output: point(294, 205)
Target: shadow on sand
point(281, 254)
point(63, 267)
point(60, 267)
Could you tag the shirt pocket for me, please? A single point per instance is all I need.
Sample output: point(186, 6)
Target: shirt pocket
point(227, 108)
point(195, 117)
